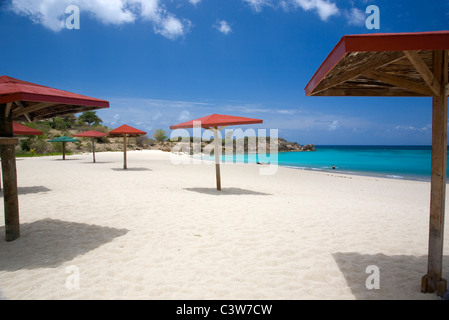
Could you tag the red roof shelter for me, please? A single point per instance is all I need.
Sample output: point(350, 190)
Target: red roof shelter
point(93, 135)
point(20, 101)
point(126, 131)
point(400, 65)
point(216, 122)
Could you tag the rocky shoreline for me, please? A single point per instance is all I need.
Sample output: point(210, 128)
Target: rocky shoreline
point(282, 146)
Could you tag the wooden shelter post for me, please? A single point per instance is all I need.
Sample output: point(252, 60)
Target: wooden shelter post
point(10, 194)
point(125, 166)
point(93, 149)
point(217, 153)
point(433, 280)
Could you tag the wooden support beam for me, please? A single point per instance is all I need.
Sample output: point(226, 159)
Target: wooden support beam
point(10, 194)
point(425, 72)
point(433, 280)
point(22, 110)
point(63, 151)
point(217, 153)
point(93, 149)
point(387, 58)
point(400, 82)
point(8, 109)
point(125, 165)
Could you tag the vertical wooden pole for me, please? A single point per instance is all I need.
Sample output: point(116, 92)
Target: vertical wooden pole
point(217, 153)
point(10, 194)
point(433, 281)
point(63, 151)
point(93, 148)
point(125, 166)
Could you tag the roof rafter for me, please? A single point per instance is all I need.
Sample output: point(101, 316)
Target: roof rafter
point(22, 110)
point(399, 82)
point(424, 71)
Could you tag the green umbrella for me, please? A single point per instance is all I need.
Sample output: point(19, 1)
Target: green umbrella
point(64, 140)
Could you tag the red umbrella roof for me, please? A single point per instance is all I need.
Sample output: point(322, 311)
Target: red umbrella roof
point(126, 130)
point(40, 102)
point(217, 120)
point(20, 129)
point(91, 134)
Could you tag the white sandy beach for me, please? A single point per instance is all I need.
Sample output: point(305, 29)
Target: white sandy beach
point(162, 231)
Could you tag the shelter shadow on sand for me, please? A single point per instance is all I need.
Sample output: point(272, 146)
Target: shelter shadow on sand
point(400, 270)
point(29, 190)
point(228, 191)
point(97, 162)
point(49, 243)
point(131, 169)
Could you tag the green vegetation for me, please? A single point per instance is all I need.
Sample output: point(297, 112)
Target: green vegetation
point(89, 118)
point(159, 135)
point(69, 125)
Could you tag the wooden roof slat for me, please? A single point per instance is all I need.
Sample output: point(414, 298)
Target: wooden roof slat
point(399, 82)
point(425, 71)
point(379, 61)
point(28, 109)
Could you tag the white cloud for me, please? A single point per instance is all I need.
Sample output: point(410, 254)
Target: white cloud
point(333, 126)
point(184, 116)
point(115, 119)
point(426, 128)
point(324, 8)
point(257, 5)
point(156, 116)
point(172, 28)
point(194, 2)
point(223, 27)
point(356, 17)
point(51, 13)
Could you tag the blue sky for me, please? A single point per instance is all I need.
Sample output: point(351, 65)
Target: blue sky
point(162, 62)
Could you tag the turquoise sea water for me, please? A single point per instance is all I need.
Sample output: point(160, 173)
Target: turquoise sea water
point(399, 162)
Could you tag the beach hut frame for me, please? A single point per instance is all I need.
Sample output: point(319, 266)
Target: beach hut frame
point(26, 101)
point(217, 152)
point(63, 140)
point(216, 123)
point(126, 131)
point(400, 65)
point(92, 135)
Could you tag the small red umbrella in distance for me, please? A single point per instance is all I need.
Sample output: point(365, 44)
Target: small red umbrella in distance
point(93, 135)
point(126, 131)
point(216, 122)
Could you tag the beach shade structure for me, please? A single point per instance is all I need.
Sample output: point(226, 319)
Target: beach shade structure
point(216, 123)
point(26, 101)
point(400, 65)
point(126, 131)
point(63, 140)
point(93, 135)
